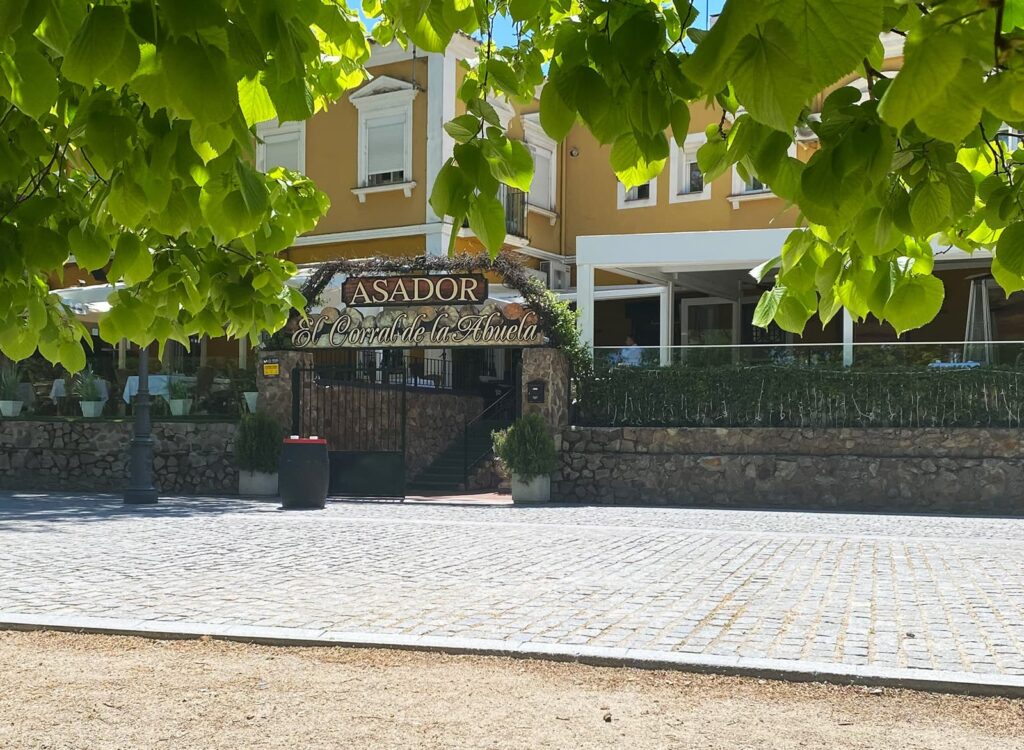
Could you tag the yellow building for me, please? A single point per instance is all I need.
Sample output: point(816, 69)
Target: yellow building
point(665, 264)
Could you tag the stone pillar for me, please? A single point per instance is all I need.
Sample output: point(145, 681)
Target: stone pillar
point(276, 392)
point(548, 366)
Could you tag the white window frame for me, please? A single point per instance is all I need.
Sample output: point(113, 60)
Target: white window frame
point(652, 200)
point(739, 192)
point(383, 98)
point(540, 142)
point(680, 160)
point(272, 130)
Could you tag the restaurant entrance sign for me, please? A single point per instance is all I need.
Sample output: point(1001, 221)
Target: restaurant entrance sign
point(450, 310)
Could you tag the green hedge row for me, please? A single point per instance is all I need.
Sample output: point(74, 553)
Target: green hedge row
point(790, 396)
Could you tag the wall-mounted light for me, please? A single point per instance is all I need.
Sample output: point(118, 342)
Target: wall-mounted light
point(574, 152)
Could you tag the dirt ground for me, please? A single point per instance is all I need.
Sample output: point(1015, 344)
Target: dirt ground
point(98, 692)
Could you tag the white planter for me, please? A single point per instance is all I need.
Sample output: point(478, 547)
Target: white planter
point(257, 483)
point(180, 407)
point(250, 400)
point(537, 490)
point(91, 408)
point(10, 408)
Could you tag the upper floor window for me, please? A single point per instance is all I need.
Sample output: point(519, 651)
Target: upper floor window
point(1010, 139)
point(687, 181)
point(281, 145)
point(385, 136)
point(753, 185)
point(638, 196)
point(543, 148)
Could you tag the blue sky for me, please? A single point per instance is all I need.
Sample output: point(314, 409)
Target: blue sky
point(504, 33)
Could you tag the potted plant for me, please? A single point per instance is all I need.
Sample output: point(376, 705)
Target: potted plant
point(179, 396)
point(247, 384)
point(528, 452)
point(257, 449)
point(86, 388)
point(10, 397)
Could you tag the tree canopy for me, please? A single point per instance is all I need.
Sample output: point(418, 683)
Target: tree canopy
point(128, 129)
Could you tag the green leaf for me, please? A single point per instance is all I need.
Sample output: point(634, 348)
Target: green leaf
point(132, 260)
point(768, 80)
point(448, 190)
point(830, 37)
point(32, 80)
point(713, 60)
point(1010, 249)
point(679, 114)
point(525, 10)
point(556, 117)
point(795, 309)
point(915, 301)
point(956, 110)
point(198, 81)
point(1009, 281)
point(124, 64)
point(90, 51)
point(72, 355)
point(255, 101)
point(759, 272)
point(127, 201)
point(463, 128)
point(487, 220)
point(11, 13)
point(90, 248)
point(252, 188)
point(930, 64)
point(930, 204)
point(768, 305)
point(511, 162)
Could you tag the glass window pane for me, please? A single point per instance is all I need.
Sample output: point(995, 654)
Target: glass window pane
point(696, 179)
point(385, 147)
point(282, 151)
point(540, 188)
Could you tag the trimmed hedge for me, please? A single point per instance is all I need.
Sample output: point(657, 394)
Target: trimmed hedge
point(793, 396)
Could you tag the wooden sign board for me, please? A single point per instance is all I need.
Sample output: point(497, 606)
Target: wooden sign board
point(406, 291)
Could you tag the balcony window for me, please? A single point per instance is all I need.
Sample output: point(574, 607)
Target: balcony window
point(281, 146)
point(385, 146)
point(687, 181)
point(638, 196)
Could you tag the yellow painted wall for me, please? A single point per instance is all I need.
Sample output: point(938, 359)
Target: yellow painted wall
point(332, 145)
point(397, 247)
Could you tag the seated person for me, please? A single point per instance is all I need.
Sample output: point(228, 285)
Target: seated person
point(631, 354)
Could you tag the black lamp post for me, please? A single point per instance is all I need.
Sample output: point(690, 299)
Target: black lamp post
point(140, 483)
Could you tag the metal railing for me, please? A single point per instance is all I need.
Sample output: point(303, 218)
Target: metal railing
point(503, 411)
point(514, 203)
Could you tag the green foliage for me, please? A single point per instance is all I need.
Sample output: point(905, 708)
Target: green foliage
point(258, 443)
point(127, 139)
point(772, 395)
point(86, 386)
point(179, 389)
point(527, 448)
point(10, 379)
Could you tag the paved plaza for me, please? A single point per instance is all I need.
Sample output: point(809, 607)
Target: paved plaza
point(847, 593)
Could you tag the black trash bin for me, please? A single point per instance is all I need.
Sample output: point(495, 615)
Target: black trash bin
point(304, 473)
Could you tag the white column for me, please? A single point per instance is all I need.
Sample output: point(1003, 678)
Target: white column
point(847, 338)
point(665, 324)
point(585, 303)
point(243, 353)
point(440, 109)
point(204, 342)
point(122, 354)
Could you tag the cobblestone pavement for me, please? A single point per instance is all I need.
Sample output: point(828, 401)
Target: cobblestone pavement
point(918, 592)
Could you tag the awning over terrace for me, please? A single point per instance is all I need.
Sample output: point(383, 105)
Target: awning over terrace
point(710, 263)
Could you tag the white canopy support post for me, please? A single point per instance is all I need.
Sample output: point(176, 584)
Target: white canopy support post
point(665, 324)
point(847, 338)
point(585, 303)
point(204, 345)
point(243, 353)
point(122, 354)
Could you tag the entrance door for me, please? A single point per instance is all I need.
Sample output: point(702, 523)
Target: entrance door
point(360, 409)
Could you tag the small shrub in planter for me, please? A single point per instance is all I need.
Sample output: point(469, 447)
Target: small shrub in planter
point(10, 397)
point(86, 388)
point(179, 396)
point(528, 451)
point(257, 450)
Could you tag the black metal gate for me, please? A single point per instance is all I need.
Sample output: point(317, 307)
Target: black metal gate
point(360, 410)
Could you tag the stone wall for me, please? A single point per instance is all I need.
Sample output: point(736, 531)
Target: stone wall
point(552, 368)
point(92, 455)
point(433, 421)
point(898, 470)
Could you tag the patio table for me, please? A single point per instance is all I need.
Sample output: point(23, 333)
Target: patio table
point(59, 390)
point(159, 385)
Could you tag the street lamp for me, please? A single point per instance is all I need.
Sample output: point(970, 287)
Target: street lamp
point(140, 489)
